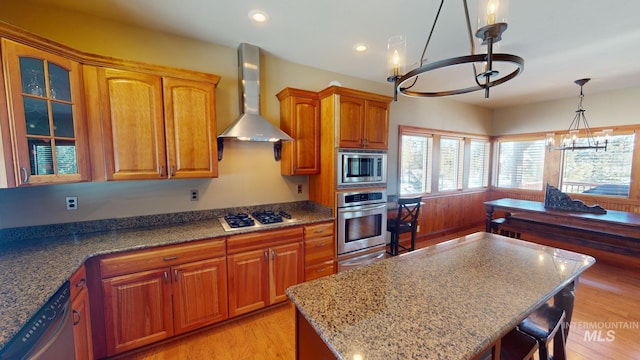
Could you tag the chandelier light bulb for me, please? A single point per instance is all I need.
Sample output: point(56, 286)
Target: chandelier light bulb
point(492, 10)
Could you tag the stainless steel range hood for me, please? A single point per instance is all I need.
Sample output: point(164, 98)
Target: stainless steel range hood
point(250, 125)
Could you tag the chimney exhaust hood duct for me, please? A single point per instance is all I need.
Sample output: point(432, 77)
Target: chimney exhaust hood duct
point(250, 126)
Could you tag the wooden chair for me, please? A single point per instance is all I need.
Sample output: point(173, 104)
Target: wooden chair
point(546, 325)
point(405, 221)
point(517, 345)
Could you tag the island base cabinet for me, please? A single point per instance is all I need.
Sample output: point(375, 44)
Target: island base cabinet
point(137, 310)
point(309, 345)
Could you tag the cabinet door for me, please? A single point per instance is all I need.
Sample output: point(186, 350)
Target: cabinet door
point(46, 115)
point(137, 310)
point(300, 118)
point(82, 326)
point(376, 125)
point(248, 281)
point(132, 125)
point(190, 122)
point(351, 118)
point(285, 269)
point(199, 294)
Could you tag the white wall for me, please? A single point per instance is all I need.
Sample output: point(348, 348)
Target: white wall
point(614, 108)
point(248, 175)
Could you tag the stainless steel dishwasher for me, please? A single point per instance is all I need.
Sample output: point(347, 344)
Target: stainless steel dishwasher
point(48, 335)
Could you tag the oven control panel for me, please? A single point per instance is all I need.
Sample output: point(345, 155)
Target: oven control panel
point(361, 198)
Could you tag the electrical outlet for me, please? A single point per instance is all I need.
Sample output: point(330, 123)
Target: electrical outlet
point(72, 202)
point(299, 188)
point(194, 195)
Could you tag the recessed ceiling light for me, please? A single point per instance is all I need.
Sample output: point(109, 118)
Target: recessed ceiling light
point(360, 47)
point(258, 16)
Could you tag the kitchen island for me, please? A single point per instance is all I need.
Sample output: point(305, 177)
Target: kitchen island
point(454, 300)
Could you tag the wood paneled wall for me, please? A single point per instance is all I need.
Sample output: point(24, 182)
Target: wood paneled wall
point(450, 213)
point(447, 214)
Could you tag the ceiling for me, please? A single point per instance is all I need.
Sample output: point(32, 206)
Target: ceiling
point(560, 41)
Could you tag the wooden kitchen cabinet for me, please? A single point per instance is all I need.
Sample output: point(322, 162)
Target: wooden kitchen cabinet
point(81, 315)
point(319, 250)
point(300, 118)
point(363, 121)
point(151, 295)
point(261, 266)
point(137, 309)
point(44, 139)
point(151, 126)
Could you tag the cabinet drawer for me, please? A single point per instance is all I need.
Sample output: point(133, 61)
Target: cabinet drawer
point(141, 260)
point(319, 270)
point(317, 250)
point(263, 239)
point(318, 230)
point(78, 281)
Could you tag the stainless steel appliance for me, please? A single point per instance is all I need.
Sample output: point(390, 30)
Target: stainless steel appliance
point(357, 261)
point(362, 167)
point(257, 219)
point(48, 335)
point(362, 220)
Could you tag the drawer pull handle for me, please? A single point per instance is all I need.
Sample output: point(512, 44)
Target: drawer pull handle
point(321, 270)
point(166, 277)
point(25, 179)
point(81, 282)
point(175, 274)
point(320, 245)
point(169, 258)
point(319, 231)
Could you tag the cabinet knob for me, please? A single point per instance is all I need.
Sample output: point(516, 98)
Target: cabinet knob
point(81, 283)
point(76, 317)
point(166, 277)
point(175, 275)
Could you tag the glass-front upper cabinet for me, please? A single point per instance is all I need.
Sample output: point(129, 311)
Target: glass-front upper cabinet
point(46, 113)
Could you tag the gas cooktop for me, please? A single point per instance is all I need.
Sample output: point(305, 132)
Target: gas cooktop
point(236, 221)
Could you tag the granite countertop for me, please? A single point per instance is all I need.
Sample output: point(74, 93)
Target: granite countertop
point(447, 301)
point(33, 269)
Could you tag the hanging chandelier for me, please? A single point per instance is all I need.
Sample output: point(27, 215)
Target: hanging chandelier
point(491, 25)
point(579, 135)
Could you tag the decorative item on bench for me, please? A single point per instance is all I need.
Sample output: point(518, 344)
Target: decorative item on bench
point(556, 199)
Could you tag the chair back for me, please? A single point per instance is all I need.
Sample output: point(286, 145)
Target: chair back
point(408, 211)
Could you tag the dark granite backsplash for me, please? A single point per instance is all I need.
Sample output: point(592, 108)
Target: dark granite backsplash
point(84, 227)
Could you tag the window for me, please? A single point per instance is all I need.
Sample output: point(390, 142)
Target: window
point(462, 162)
point(451, 151)
point(600, 172)
point(415, 170)
point(479, 164)
point(521, 164)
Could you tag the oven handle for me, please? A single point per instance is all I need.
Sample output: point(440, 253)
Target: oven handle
point(363, 208)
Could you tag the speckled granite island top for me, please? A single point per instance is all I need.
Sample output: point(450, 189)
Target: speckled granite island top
point(447, 301)
point(33, 269)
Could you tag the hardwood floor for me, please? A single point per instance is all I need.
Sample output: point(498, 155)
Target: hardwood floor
point(605, 325)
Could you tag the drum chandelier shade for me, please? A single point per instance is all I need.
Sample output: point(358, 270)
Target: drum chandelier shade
point(579, 135)
point(491, 24)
